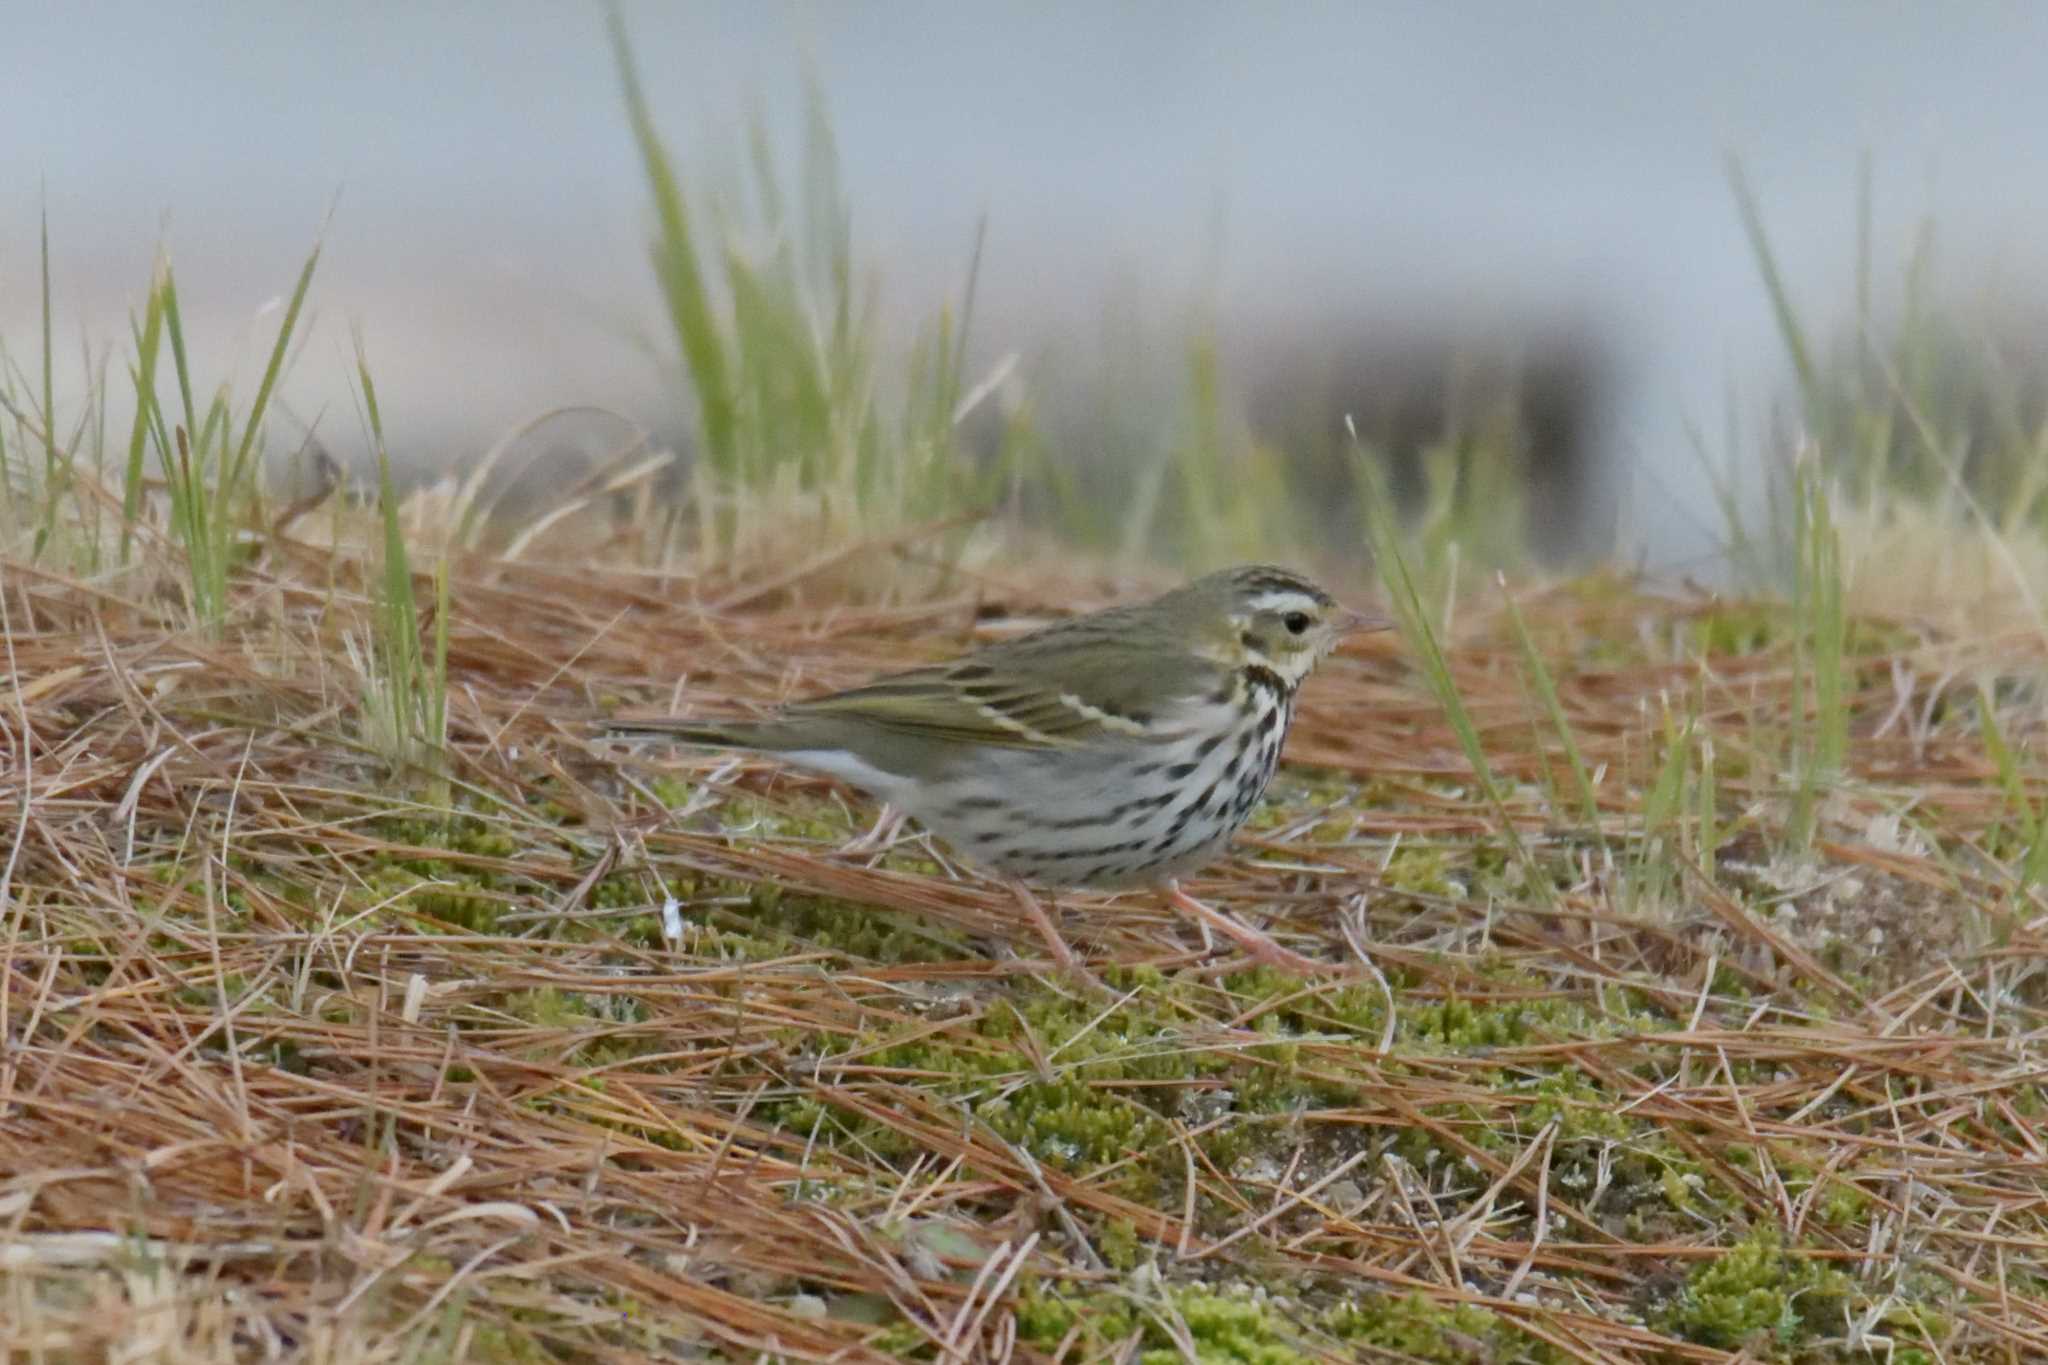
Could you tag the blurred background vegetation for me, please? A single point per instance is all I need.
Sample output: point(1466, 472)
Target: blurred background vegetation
point(801, 387)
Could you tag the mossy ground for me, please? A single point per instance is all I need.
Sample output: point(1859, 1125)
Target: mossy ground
point(605, 1057)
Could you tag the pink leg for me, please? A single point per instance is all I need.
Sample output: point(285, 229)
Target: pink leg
point(878, 835)
point(1047, 930)
point(1250, 939)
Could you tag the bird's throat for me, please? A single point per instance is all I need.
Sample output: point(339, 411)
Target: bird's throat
point(1262, 678)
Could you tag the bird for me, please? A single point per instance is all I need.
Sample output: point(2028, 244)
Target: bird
point(1118, 749)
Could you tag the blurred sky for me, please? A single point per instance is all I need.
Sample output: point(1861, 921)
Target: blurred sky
point(1509, 160)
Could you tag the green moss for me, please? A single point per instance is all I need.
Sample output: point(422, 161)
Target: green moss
point(1223, 1330)
point(1757, 1293)
point(1840, 1203)
point(812, 821)
point(1421, 868)
point(1360, 1010)
point(492, 1342)
point(776, 923)
point(1582, 1110)
point(1082, 1090)
point(1460, 1024)
point(1413, 1328)
point(1678, 1187)
point(1640, 1177)
point(1235, 1328)
point(453, 891)
point(1740, 628)
point(672, 792)
point(1118, 1243)
point(233, 986)
point(573, 1011)
point(1520, 1017)
point(1228, 1330)
point(903, 1341)
point(548, 1008)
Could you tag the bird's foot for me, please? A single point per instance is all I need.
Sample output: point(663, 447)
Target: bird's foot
point(879, 836)
point(1251, 940)
point(1064, 957)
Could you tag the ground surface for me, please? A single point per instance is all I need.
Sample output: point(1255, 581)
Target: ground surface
point(1719, 1053)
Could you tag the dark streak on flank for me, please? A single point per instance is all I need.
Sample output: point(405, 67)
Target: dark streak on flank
point(1082, 821)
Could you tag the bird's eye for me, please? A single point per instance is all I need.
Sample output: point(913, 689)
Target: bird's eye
point(1295, 621)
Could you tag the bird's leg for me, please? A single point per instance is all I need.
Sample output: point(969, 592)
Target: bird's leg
point(879, 835)
point(1250, 939)
point(1047, 930)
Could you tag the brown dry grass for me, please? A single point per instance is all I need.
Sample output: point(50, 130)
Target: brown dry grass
point(282, 1082)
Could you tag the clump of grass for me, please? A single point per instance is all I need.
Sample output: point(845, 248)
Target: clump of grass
point(809, 422)
point(1822, 640)
point(1924, 419)
point(1213, 494)
point(806, 427)
point(405, 683)
point(1383, 535)
point(206, 460)
point(1660, 826)
point(2033, 829)
point(212, 473)
point(1544, 685)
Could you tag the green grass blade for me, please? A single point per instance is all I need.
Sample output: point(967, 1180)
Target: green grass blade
point(1384, 538)
point(254, 421)
point(53, 486)
point(2034, 865)
point(1665, 798)
point(49, 382)
point(1546, 692)
point(174, 328)
point(148, 338)
point(1826, 628)
point(1789, 328)
point(1706, 807)
point(1823, 635)
point(437, 678)
point(398, 618)
point(677, 267)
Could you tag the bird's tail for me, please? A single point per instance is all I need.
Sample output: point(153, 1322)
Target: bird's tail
point(710, 734)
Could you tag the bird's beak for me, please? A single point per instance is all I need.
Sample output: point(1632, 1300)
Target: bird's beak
point(1362, 622)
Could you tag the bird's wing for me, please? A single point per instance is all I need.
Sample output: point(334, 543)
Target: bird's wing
point(1022, 694)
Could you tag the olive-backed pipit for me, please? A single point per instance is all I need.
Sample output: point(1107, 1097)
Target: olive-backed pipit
point(1118, 749)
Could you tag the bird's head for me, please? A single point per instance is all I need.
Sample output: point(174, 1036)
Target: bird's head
point(1261, 616)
